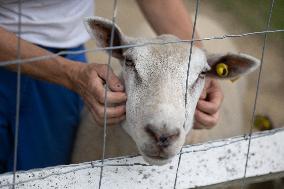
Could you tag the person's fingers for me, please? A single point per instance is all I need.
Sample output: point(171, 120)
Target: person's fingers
point(111, 112)
point(113, 81)
point(207, 120)
point(204, 91)
point(209, 107)
point(109, 121)
point(215, 89)
point(100, 119)
point(112, 97)
point(216, 96)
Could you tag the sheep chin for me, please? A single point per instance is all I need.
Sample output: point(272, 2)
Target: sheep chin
point(158, 162)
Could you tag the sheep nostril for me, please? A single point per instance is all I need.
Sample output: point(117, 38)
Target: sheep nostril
point(163, 139)
point(149, 129)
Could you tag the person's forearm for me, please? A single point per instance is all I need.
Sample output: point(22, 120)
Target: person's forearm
point(56, 70)
point(168, 17)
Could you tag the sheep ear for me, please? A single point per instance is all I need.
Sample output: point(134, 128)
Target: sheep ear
point(100, 29)
point(231, 66)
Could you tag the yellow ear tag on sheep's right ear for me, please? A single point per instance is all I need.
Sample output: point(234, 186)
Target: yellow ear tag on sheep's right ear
point(222, 69)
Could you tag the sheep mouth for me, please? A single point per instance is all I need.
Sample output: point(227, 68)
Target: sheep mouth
point(158, 157)
point(157, 160)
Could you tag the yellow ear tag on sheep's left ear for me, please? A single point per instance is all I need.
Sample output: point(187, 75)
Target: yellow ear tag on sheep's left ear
point(222, 70)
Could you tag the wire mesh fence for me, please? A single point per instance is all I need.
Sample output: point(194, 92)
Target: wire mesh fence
point(122, 172)
point(19, 61)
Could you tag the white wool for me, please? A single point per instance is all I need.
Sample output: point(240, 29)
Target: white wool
point(156, 91)
point(156, 86)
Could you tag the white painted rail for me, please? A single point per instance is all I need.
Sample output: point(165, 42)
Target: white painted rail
point(201, 165)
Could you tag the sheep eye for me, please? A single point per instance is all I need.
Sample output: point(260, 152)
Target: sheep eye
point(129, 62)
point(202, 75)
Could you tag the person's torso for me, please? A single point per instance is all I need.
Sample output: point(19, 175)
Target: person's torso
point(51, 23)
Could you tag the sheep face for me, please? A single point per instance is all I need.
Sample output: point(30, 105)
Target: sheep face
point(155, 80)
point(155, 77)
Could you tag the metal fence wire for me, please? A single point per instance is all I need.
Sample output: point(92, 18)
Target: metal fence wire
point(20, 61)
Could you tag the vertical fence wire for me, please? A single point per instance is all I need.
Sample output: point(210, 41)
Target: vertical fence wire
point(257, 91)
point(106, 89)
point(187, 76)
point(18, 95)
point(18, 99)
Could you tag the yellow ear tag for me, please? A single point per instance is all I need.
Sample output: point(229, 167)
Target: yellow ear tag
point(222, 70)
point(263, 122)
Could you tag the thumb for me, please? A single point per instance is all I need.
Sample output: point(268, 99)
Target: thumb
point(114, 83)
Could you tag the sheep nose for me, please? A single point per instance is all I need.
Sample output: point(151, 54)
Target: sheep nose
point(163, 138)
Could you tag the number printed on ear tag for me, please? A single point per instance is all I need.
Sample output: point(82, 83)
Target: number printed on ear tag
point(222, 70)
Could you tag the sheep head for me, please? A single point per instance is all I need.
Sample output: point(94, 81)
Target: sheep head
point(155, 78)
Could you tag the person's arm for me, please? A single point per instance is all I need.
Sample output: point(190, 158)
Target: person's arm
point(171, 17)
point(85, 79)
point(56, 70)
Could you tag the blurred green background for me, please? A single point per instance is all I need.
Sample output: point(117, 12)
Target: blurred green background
point(253, 14)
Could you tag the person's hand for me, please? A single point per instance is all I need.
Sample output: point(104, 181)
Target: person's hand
point(88, 81)
point(208, 107)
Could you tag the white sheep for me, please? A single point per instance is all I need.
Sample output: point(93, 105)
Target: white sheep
point(155, 82)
